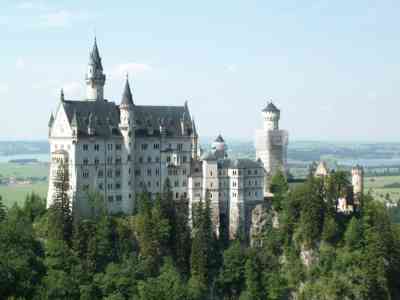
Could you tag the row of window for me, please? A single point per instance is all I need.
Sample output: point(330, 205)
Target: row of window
point(96, 147)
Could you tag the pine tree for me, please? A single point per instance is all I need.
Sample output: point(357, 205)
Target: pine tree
point(60, 218)
point(2, 210)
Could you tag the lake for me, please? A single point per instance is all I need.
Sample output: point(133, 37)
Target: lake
point(43, 157)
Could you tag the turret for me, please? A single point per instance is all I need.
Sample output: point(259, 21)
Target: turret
point(126, 107)
point(95, 78)
point(357, 180)
point(219, 147)
point(271, 115)
point(195, 137)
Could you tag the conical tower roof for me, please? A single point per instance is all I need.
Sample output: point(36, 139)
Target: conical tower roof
point(127, 94)
point(51, 121)
point(95, 58)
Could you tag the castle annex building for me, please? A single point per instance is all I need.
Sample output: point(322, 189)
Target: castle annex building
point(121, 150)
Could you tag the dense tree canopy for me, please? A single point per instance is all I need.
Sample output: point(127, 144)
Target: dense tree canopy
point(316, 252)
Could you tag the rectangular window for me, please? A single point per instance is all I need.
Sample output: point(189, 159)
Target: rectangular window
point(184, 172)
point(110, 186)
point(109, 160)
point(118, 147)
point(156, 146)
point(85, 147)
point(118, 186)
point(85, 174)
point(109, 173)
point(85, 161)
point(184, 159)
point(110, 198)
point(100, 186)
point(117, 173)
point(129, 157)
point(144, 147)
point(100, 173)
point(180, 147)
point(109, 147)
point(148, 172)
point(119, 198)
point(137, 172)
point(141, 160)
point(97, 147)
point(96, 161)
point(176, 183)
point(149, 159)
point(157, 159)
point(157, 172)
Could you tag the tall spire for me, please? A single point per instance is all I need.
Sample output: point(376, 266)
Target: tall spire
point(127, 95)
point(95, 78)
point(95, 58)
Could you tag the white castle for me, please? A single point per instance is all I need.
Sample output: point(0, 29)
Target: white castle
point(119, 151)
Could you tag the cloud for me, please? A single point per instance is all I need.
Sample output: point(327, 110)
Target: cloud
point(20, 63)
point(3, 88)
point(232, 68)
point(131, 68)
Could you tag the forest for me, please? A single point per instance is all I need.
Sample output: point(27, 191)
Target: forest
point(312, 252)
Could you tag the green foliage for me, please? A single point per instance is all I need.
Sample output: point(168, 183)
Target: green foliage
point(2, 210)
point(153, 254)
point(279, 187)
point(60, 214)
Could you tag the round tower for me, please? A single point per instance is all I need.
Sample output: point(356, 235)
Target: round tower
point(357, 180)
point(219, 147)
point(271, 116)
point(95, 78)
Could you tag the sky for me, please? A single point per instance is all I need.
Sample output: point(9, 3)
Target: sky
point(332, 67)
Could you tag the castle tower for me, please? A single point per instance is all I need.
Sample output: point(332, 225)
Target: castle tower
point(357, 180)
point(271, 144)
point(219, 148)
point(95, 78)
point(271, 115)
point(126, 125)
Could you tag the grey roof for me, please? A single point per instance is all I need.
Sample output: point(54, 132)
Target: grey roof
point(168, 117)
point(271, 108)
point(104, 115)
point(241, 163)
point(219, 139)
point(95, 58)
point(51, 121)
point(127, 94)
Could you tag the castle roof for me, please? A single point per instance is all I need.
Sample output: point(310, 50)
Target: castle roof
point(209, 156)
point(240, 163)
point(127, 94)
point(94, 58)
point(106, 117)
point(51, 121)
point(219, 139)
point(271, 108)
point(169, 117)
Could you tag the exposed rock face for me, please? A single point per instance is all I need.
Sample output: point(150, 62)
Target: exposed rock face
point(259, 218)
point(308, 256)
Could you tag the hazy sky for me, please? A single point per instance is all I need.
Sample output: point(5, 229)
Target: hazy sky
point(332, 67)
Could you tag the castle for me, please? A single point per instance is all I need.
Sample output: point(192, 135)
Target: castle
point(121, 150)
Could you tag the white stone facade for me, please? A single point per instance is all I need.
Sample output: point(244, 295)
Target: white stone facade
point(233, 186)
point(120, 150)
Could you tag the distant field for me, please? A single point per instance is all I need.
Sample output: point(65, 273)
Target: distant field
point(29, 170)
point(17, 194)
point(378, 187)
